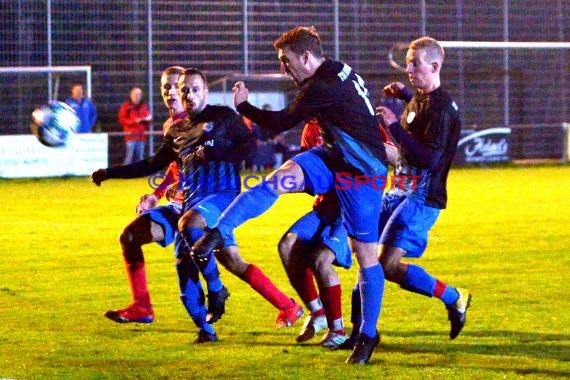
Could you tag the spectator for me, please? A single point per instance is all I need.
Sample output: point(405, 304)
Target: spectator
point(83, 107)
point(134, 117)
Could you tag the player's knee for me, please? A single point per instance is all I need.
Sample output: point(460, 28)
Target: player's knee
point(392, 269)
point(183, 222)
point(285, 247)
point(127, 237)
point(287, 179)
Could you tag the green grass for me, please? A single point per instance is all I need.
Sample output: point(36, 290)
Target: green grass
point(505, 236)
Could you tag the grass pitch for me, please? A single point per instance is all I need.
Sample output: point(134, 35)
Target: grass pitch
point(505, 236)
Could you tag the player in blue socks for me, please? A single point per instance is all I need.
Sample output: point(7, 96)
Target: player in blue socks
point(192, 293)
point(427, 137)
point(332, 93)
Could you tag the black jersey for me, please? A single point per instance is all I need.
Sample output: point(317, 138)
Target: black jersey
point(336, 96)
point(427, 139)
point(208, 148)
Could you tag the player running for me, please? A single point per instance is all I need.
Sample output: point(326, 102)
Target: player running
point(427, 137)
point(160, 225)
point(335, 95)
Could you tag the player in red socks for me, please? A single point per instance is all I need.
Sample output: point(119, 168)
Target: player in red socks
point(308, 250)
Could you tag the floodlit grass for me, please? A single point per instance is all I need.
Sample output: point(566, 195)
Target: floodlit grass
point(505, 236)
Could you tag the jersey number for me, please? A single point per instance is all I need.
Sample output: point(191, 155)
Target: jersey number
point(363, 92)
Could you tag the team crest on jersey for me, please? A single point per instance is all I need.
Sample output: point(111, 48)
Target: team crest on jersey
point(411, 117)
point(207, 127)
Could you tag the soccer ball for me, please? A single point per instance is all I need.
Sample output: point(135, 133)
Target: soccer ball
point(54, 123)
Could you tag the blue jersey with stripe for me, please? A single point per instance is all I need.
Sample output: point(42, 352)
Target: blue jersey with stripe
point(209, 149)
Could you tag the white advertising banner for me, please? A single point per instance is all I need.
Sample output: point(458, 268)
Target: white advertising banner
point(23, 156)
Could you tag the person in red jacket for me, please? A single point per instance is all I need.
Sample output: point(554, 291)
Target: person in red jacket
point(134, 117)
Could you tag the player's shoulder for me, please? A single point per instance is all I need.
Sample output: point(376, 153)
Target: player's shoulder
point(167, 124)
point(441, 99)
point(220, 111)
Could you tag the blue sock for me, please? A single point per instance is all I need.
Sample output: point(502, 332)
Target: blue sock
point(450, 295)
point(419, 281)
point(371, 281)
point(356, 308)
point(209, 269)
point(247, 205)
point(192, 294)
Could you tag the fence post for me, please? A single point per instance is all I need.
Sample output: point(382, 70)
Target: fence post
point(566, 144)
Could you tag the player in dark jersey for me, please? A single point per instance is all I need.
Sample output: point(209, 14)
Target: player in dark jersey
point(334, 94)
point(211, 181)
point(160, 224)
point(427, 137)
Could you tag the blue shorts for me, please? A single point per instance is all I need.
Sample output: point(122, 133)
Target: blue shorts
point(405, 224)
point(313, 231)
point(359, 202)
point(211, 207)
point(166, 217)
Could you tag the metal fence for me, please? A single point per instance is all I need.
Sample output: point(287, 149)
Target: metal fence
point(129, 42)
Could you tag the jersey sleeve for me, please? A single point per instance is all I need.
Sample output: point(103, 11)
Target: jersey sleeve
point(418, 152)
point(161, 159)
point(313, 97)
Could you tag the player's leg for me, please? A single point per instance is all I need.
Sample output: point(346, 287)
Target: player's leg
point(406, 235)
point(361, 203)
point(295, 259)
point(192, 225)
point(332, 251)
point(140, 231)
point(331, 296)
point(294, 249)
point(289, 310)
point(191, 292)
point(305, 172)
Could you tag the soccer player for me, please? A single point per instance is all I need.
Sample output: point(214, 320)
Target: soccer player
point(308, 250)
point(336, 96)
point(160, 224)
point(212, 181)
point(427, 137)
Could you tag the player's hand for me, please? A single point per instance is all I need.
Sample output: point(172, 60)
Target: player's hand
point(172, 190)
point(241, 93)
point(98, 176)
point(395, 90)
point(146, 202)
point(386, 115)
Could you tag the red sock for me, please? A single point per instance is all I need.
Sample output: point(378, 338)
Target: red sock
point(331, 298)
point(263, 285)
point(309, 294)
point(439, 288)
point(137, 279)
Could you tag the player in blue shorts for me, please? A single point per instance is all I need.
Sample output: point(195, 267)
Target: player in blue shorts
point(427, 137)
point(334, 94)
point(160, 224)
point(211, 183)
point(308, 250)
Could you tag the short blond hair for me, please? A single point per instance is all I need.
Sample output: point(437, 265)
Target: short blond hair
point(434, 51)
